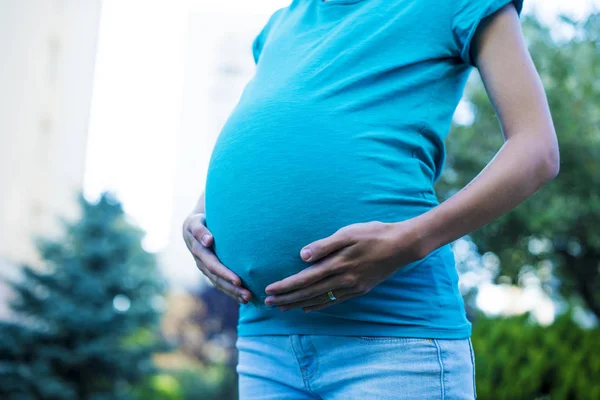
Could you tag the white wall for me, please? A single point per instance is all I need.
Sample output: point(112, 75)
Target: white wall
point(46, 68)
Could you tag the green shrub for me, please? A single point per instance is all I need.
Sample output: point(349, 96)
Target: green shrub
point(216, 382)
point(210, 382)
point(517, 359)
point(159, 387)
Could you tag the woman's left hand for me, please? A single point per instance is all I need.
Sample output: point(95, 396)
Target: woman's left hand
point(350, 263)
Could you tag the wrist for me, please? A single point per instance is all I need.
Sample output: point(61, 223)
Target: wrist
point(418, 230)
point(428, 230)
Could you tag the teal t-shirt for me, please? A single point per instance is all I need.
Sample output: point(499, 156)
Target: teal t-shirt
point(344, 121)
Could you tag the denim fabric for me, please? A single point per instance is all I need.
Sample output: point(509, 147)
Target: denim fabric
point(298, 367)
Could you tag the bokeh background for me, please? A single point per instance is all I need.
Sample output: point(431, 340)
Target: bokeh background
point(108, 113)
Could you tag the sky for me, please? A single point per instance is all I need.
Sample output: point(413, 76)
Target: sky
point(137, 104)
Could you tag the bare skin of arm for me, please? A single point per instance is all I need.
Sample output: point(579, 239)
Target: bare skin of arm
point(199, 240)
point(359, 256)
point(529, 157)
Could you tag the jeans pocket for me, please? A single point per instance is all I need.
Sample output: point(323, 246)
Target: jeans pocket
point(394, 339)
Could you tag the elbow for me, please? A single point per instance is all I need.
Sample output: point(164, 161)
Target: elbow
point(551, 163)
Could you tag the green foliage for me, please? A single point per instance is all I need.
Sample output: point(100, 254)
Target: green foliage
point(565, 212)
point(214, 382)
point(518, 360)
point(88, 321)
point(161, 386)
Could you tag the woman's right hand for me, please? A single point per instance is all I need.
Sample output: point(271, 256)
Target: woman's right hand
point(199, 240)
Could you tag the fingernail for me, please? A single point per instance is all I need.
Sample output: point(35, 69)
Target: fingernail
point(242, 300)
point(245, 297)
point(205, 239)
point(306, 254)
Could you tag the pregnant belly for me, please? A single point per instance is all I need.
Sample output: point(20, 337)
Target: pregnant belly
point(271, 189)
point(261, 243)
point(262, 217)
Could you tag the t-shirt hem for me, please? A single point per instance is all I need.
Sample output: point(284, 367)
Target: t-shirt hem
point(353, 328)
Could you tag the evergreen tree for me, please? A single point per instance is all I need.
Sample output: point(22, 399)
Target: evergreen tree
point(87, 322)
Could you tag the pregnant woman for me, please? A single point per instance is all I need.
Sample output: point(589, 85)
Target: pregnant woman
point(319, 214)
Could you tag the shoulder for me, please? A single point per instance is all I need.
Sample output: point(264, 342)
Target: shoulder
point(468, 16)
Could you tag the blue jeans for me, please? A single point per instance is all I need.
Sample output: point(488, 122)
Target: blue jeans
point(298, 367)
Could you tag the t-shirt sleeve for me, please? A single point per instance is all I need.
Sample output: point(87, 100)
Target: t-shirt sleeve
point(260, 39)
point(468, 15)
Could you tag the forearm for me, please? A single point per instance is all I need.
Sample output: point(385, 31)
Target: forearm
point(517, 171)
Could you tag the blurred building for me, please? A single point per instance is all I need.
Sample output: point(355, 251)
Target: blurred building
point(47, 48)
point(218, 64)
